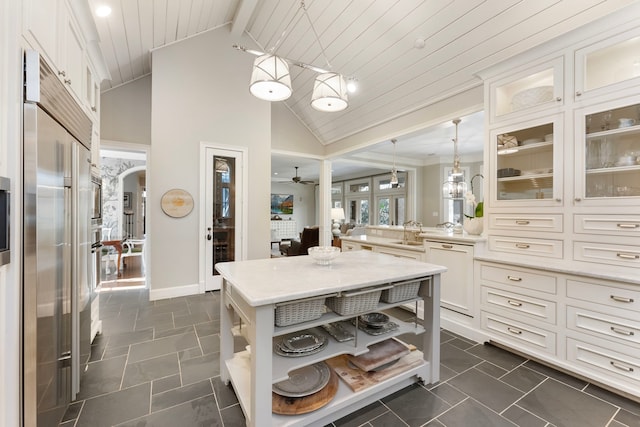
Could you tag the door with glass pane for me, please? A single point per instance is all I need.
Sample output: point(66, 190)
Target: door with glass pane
point(223, 212)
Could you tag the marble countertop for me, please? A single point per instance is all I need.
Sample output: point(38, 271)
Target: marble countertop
point(382, 241)
point(274, 280)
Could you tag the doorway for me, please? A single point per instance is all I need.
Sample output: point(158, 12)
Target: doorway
point(123, 261)
point(222, 219)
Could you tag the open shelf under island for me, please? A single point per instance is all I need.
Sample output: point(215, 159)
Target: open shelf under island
point(252, 289)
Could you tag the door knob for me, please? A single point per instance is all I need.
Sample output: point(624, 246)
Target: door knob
point(208, 233)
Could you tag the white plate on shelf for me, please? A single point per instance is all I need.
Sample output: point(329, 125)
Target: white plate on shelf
point(532, 141)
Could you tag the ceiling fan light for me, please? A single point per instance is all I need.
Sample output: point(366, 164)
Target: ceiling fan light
point(329, 93)
point(270, 79)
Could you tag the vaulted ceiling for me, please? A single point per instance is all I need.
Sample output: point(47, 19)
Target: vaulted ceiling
point(404, 54)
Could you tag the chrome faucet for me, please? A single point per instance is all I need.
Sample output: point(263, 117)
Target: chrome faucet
point(411, 223)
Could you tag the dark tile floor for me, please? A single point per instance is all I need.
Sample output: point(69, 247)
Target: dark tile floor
point(156, 364)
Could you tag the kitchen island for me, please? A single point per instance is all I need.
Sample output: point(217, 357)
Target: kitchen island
point(251, 290)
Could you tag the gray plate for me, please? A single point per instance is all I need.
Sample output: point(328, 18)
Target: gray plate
point(338, 331)
point(388, 327)
point(303, 342)
point(304, 381)
point(281, 349)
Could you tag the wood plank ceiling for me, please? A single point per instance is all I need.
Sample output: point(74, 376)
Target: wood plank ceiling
point(373, 41)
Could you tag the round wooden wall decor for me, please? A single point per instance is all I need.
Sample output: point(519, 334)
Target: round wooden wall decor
point(177, 203)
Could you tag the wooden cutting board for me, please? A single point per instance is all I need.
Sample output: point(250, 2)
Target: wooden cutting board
point(380, 354)
point(358, 380)
point(301, 405)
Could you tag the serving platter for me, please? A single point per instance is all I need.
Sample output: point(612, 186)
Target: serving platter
point(304, 381)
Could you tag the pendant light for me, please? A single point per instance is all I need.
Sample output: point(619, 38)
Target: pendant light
point(329, 93)
point(270, 79)
point(394, 171)
point(329, 89)
point(455, 187)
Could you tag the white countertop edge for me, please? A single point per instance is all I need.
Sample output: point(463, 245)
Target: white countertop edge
point(431, 237)
point(566, 268)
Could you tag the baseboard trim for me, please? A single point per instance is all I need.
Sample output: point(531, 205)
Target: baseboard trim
point(176, 291)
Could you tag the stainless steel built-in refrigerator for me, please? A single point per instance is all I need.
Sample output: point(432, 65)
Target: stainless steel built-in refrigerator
point(56, 275)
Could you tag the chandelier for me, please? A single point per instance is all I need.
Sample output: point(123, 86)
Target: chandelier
point(394, 171)
point(271, 81)
point(455, 187)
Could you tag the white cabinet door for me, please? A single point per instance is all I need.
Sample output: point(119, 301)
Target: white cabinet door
point(70, 61)
point(456, 285)
point(40, 26)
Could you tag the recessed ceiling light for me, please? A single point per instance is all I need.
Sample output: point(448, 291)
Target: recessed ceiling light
point(103, 10)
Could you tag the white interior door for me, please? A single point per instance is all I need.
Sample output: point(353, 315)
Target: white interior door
point(223, 176)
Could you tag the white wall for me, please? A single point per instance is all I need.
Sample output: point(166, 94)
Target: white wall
point(289, 134)
point(304, 203)
point(200, 93)
point(125, 112)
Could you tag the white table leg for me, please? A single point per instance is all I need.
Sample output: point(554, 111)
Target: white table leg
point(226, 335)
point(260, 337)
point(431, 323)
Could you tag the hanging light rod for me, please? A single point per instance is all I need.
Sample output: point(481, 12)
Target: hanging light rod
point(290, 61)
point(271, 80)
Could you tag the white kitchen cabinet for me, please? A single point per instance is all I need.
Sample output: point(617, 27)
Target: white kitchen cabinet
point(526, 91)
point(71, 54)
point(608, 66)
point(40, 26)
point(457, 290)
point(526, 160)
point(50, 28)
point(608, 154)
point(400, 253)
point(91, 92)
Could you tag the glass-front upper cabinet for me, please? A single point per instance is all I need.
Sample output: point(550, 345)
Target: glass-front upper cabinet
point(608, 160)
point(610, 65)
point(524, 162)
point(534, 89)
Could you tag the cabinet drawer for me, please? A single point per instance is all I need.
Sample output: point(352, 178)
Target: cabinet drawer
point(605, 294)
point(520, 278)
point(603, 360)
point(526, 246)
point(622, 330)
point(528, 306)
point(526, 334)
point(620, 225)
point(604, 253)
point(552, 223)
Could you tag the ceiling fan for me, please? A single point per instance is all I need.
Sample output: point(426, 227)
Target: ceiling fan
point(298, 180)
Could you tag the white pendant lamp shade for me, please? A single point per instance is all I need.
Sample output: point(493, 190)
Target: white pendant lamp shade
point(329, 93)
point(270, 79)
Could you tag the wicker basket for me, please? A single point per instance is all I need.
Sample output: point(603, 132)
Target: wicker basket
point(299, 311)
point(355, 302)
point(401, 291)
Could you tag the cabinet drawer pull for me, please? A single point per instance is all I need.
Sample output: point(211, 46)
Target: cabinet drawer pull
point(628, 225)
point(516, 279)
point(622, 331)
point(522, 246)
point(514, 331)
point(366, 248)
point(621, 299)
point(514, 303)
point(62, 73)
point(621, 367)
point(447, 246)
point(522, 222)
point(627, 256)
point(67, 81)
